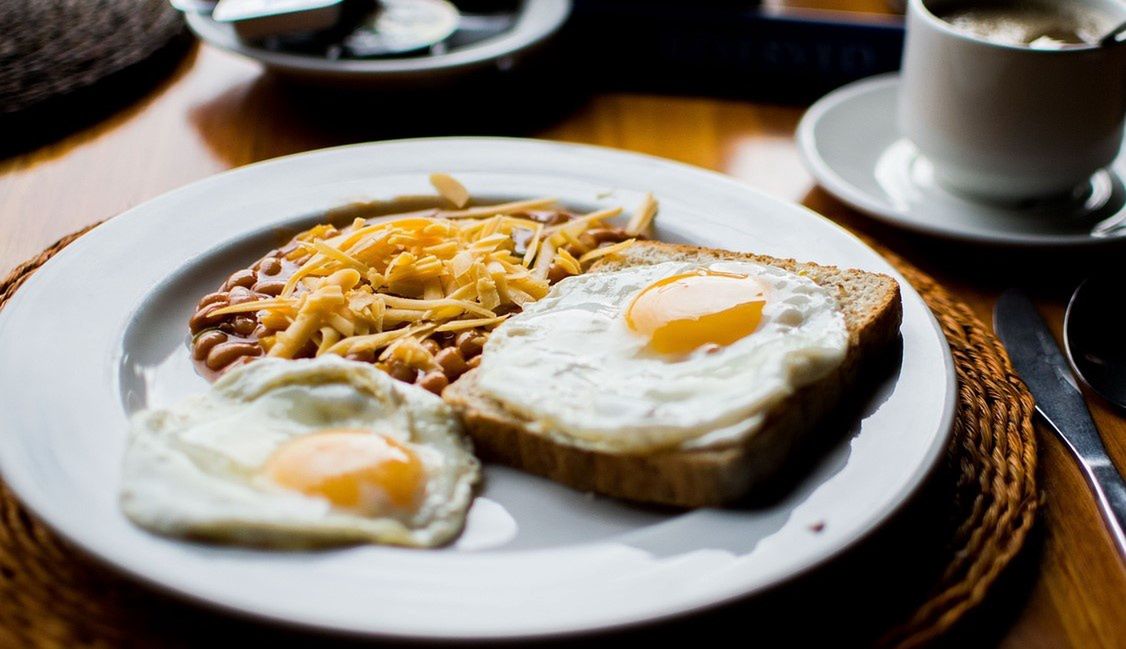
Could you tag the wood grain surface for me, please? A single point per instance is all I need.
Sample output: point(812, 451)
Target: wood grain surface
point(1067, 589)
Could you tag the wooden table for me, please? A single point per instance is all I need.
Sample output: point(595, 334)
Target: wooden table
point(217, 112)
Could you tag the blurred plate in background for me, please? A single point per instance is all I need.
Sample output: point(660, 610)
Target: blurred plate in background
point(479, 42)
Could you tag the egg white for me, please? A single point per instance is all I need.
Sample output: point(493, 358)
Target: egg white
point(194, 469)
point(571, 366)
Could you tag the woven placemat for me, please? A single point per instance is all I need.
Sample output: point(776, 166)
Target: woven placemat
point(49, 596)
point(65, 62)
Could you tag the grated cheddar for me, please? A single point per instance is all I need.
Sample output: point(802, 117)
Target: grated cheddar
point(396, 290)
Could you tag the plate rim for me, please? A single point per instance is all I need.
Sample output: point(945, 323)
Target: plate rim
point(922, 474)
point(827, 177)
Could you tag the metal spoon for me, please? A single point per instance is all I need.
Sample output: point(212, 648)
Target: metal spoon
point(1095, 338)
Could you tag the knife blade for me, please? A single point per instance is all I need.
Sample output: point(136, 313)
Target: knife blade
point(1046, 372)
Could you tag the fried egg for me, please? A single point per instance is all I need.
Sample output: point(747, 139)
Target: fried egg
point(673, 354)
point(299, 453)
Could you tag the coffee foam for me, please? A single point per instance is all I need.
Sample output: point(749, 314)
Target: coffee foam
point(1040, 26)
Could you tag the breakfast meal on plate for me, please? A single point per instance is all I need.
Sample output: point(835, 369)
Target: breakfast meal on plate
point(564, 344)
point(302, 453)
point(674, 374)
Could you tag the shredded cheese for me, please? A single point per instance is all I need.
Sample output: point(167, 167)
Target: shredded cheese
point(504, 208)
point(450, 189)
point(598, 253)
point(461, 325)
point(384, 287)
point(641, 219)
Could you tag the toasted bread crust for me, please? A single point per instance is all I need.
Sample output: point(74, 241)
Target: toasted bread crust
point(711, 475)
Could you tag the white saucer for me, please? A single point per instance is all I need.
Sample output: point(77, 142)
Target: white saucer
point(850, 142)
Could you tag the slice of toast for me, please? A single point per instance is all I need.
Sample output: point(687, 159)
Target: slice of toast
point(710, 475)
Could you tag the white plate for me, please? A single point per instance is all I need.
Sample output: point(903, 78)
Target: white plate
point(100, 331)
point(536, 21)
point(850, 142)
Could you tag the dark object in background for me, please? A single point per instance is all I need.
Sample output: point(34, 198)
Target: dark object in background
point(708, 47)
point(1092, 330)
point(428, 27)
point(67, 63)
point(728, 48)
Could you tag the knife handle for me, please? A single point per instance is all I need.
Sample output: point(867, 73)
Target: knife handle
point(1110, 493)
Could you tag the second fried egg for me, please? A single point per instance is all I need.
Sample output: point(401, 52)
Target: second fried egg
point(300, 453)
point(652, 357)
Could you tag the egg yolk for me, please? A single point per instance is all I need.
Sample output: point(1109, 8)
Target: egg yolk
point(353, 469)
point(683, 312)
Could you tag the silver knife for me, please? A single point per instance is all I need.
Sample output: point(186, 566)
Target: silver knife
point(1042, 366)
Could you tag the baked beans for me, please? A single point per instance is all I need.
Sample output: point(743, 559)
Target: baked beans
point(224, 354)
point(451, 362)
point(204, 342)
point(221, 342)
point(470, 343)
point(434, 381)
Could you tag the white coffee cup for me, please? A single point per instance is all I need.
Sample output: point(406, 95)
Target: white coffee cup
point(1009, 122)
